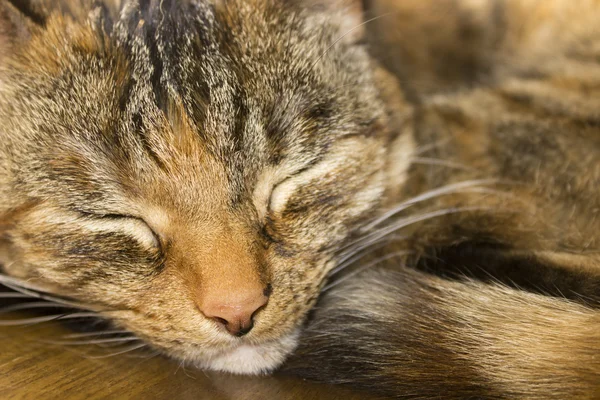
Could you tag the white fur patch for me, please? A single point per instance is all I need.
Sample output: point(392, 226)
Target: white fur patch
point(253, 359)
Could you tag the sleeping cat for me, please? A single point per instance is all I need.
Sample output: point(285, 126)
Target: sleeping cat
point(201, 173)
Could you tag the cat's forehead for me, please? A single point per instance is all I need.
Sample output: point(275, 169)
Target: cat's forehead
point(244, 66)
point(227, 97)
point(255, 87)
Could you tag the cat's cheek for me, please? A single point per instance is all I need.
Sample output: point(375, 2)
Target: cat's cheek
point(249, 359)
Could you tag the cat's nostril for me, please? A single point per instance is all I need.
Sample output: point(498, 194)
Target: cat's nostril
point(221, 321)
point(244, 331)
point(237, 325)
point(234, 311)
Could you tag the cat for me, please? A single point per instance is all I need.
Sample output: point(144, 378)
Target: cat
point(405, 203)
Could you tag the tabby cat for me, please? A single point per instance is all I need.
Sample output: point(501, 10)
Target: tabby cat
point(400, 195)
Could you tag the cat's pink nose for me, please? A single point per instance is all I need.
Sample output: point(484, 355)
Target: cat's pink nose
point(235, 309)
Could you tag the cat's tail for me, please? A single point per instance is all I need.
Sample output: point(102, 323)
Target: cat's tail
point(407, 334)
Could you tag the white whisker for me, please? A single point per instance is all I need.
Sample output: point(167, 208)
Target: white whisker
point(440, 163)
point(13, 295)
point(365, 267)
point(92, 334)
point(425, 148)
point(143, 357)
point(35, 292)
point(92, 341)
point(404, 222)
point(29, 306)
point(352, 256)
point(126, 350)
point(46, 318)
point(444, 190)
point(8, 280)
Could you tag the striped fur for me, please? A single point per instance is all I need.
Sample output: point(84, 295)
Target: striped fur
point(150, 146)
point(148, 151)
point(500, 301)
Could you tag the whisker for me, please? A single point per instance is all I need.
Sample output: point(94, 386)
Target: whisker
point(144, 357)
point(92, 341)
point(185, 370)
point(346, 34)
point(35, 292)
point(46, 318)
point(29, 306)
point(440, 163)
point(92, 334)
point(498, 193)
point(425, 148)
point(109, 345)
point(8, 280)
point(365, 267)
point(444, 190)
point(126, 350)
point(352, 256)
point(13, 295)
point(404, 222)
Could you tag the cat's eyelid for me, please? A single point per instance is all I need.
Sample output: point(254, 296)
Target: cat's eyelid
point(275, 186)
point(118, 221)
point(268, 180)
point(273, 177)
point(287, 187)
point(109, 215)
point(284, 180)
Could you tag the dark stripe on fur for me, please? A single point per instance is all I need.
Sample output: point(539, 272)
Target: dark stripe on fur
point(407, 334)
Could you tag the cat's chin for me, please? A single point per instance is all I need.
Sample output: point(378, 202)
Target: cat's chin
point(250, 359)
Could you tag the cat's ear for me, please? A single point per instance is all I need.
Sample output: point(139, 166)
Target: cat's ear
point(17, 21)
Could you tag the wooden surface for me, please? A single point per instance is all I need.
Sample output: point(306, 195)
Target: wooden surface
point(33, 368)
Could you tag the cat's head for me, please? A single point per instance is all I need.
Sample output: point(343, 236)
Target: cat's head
point(193, 166)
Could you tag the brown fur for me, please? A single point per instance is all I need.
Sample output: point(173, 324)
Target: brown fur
point(173, 148)
point(451, 340)
point(512, 95)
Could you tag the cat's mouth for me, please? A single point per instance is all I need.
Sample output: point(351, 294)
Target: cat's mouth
point(251, 359)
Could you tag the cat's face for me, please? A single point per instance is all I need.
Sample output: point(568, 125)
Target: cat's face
point(189, 166)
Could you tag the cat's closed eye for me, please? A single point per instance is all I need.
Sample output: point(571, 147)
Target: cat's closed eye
point(202, 172)
point(134, 227)
point(181, 151)
point(284, 190)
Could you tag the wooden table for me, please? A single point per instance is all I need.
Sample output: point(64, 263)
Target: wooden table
point(33, 368)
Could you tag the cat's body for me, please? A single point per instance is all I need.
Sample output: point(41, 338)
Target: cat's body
point(526, 114)
point(175, 152)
